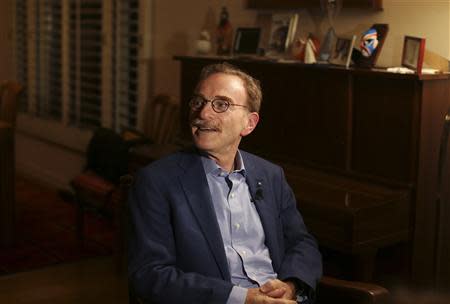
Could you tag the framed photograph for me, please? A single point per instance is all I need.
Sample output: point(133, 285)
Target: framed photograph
point(282, 32)
point(413, 51)
point(341, 52)
point(246, 40)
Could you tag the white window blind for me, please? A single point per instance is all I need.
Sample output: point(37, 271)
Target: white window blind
point(126, 63)
point(83, 62)
point(21, 51)
point(48, 98)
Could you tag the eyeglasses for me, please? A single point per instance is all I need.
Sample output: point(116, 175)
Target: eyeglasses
point(219, 103)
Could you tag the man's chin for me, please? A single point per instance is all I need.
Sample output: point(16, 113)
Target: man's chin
point(203, 142)
point(202, 145)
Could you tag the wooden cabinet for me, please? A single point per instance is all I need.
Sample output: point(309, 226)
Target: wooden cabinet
point(378, 129)
point(295, 4)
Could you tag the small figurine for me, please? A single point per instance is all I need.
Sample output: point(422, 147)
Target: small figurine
point(224, 33)
point(327, 46)
point(310, 52)
point(298, 49)
point(306, 51)
point(203, 44)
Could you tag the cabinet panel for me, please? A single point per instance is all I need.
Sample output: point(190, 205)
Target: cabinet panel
point(305, 110)
point(383, 112)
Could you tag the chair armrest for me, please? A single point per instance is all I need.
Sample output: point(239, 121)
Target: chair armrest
point(332, 290)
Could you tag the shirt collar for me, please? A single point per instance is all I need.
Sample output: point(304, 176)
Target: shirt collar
point(211, 167)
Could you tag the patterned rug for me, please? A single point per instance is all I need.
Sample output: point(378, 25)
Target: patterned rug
point(45, 231)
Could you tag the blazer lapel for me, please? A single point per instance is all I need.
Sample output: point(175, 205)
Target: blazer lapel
point(259, 190)
point(196, 188)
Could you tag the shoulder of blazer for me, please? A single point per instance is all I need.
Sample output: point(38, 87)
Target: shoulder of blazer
point(257, 163)
point(173, 164)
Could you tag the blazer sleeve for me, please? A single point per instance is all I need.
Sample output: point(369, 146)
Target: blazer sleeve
point(152, 270)
point(302, 259)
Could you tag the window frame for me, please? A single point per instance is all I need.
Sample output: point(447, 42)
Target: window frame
point(62, 132)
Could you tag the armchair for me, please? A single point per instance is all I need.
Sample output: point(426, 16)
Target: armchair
point(329, 290)
point(332, 290)
point(96, 188)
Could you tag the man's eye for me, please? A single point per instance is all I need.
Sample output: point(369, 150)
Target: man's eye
point(221, 103)
point(198, 101)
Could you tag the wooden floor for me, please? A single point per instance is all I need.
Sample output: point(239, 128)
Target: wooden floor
point(96, 281)
point(89, 281)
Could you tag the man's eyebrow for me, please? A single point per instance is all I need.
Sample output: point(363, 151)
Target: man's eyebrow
point(215, 97)
point(223, 97)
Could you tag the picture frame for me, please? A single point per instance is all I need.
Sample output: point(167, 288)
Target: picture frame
point(341, 52)
point(413, 53)
point(282, 33)
point(246, 40)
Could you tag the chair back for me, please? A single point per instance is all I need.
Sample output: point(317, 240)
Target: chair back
point(162, 119)
point(9, 96)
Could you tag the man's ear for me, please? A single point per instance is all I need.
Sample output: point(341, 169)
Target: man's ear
point(253, 118)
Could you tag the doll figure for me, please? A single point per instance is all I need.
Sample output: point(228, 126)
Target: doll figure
point(224, 33)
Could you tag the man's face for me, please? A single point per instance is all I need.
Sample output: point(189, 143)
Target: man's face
point(220, 133)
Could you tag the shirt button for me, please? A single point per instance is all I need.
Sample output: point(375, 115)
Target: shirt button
point(237, 226)
point(232, 195)
point(244, 252)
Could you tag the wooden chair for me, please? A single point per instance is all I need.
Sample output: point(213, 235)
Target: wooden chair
point(97, 189)
point(160, 128)
point(329, 290)
point(162, 119)
point(9, 95)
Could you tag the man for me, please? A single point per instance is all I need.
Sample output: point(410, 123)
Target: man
point(215, 224)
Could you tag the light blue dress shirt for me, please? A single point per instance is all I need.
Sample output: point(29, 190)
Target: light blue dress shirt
point(243, 236)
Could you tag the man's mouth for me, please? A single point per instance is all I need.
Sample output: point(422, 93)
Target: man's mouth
point(204, 127)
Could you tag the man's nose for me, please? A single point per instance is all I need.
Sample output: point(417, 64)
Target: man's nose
point(206, 111)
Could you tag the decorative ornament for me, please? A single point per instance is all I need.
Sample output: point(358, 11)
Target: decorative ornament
point(309, 52)
point(203, 44)
point(332, 9)
point(224, 33)
point(370, 45)
point(369, 42)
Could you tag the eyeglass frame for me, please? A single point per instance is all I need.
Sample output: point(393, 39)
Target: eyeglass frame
point(205, 100)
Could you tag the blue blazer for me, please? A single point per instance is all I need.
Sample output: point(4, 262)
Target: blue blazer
point(176, 253)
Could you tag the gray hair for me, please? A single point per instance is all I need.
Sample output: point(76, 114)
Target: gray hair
point(251, 85)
